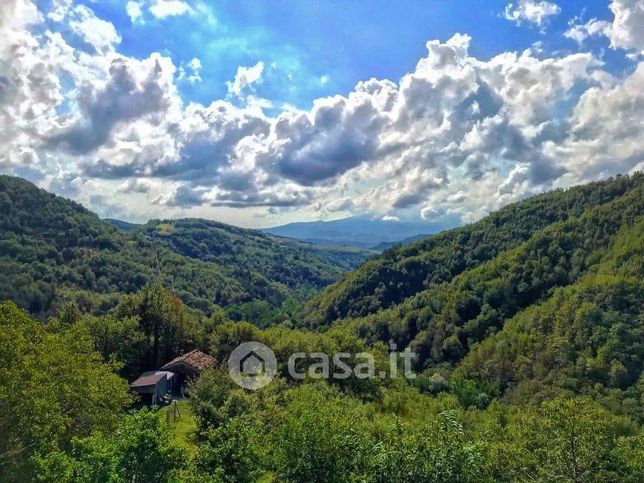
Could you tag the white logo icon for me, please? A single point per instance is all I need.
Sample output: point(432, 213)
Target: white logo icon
point(252, 365)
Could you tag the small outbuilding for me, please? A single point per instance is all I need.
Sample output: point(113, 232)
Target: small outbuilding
point(153, 385)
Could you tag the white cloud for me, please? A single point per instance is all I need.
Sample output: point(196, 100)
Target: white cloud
point(169, 8)
point(246, 76)
point(134, 11)
point(134, 186)
point(30, 88)
point(205, 13)
point(428, 213)
point(453, 139)
point(134, 90)
point(97, 32)
point(606, 127)
point(626, 31)
point(341, 204)
point(191, 71)
point(195, 63)
point(18, 14)
point(580, 32)
point(535, 12)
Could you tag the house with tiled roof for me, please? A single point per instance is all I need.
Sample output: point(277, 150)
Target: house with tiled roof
point(153, 385)
point(192, 363)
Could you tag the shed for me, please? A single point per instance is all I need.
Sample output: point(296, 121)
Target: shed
point(153, 385)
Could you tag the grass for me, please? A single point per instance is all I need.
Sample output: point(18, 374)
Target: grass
point(183, 425)
point(165, 228)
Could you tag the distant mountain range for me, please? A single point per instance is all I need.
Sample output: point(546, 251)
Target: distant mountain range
point(359, 231)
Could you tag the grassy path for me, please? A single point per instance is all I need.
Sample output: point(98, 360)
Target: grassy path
point(182, 422)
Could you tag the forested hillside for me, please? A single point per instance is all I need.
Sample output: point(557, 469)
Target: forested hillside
point(440, 302)
point(52, 249)
point(560, 313)
point(296, 264)
point(529, 352)
point(403, 271)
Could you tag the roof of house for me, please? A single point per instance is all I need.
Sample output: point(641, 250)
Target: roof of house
point(148, 379)
point(195, 359)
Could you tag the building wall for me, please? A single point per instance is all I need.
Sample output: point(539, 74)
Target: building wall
point(157, 390)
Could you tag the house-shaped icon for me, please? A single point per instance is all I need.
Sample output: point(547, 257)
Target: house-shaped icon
point(252, 364)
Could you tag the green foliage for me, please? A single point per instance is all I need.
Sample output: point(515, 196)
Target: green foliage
point(144, 331)
point(559, 314)
point(140, 450)
point(319, 439)
point(297, 265)
point(53, 250)
point(53, 387)
point(118, 339)
point(472, 393)
point(586, 338)
point(260, 313)
point(565, 440)
point(435, 451)
point(431, 384)
point(315, 433)
point(164, 321)
point(528, 328)
point(228, 453)
point(402, 272)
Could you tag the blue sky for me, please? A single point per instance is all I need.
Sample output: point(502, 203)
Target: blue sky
point(258, 113)
point(346, 41)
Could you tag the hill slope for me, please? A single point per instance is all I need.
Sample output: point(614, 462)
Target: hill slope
point(120, 224)
point(382, 246)
point(586, 338)
point(50, 246)
point(296, 264)
point(559, 314)
point(402, 272)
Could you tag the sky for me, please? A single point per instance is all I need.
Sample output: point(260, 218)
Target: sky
point(259, 113)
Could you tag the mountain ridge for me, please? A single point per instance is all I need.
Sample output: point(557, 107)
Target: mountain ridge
point(402, 271)
point(51, 247)
point(357, 231)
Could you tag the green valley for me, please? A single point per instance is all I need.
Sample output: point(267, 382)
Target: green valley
point(53, 250)
point(527, 329)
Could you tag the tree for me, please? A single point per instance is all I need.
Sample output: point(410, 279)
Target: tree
point(228, 453)
point(140, 450)
point(164, 321)
point(53, 387)
point(118, 340)
point(565, 440)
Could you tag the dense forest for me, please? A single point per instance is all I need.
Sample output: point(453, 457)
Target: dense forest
point(406, 270)
point(528, 326)
point(53, 250)
point(295, 264)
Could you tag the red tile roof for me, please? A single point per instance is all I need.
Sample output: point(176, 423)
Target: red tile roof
point(195, 359)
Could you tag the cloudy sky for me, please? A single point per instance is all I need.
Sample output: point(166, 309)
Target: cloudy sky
point(262, 112)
